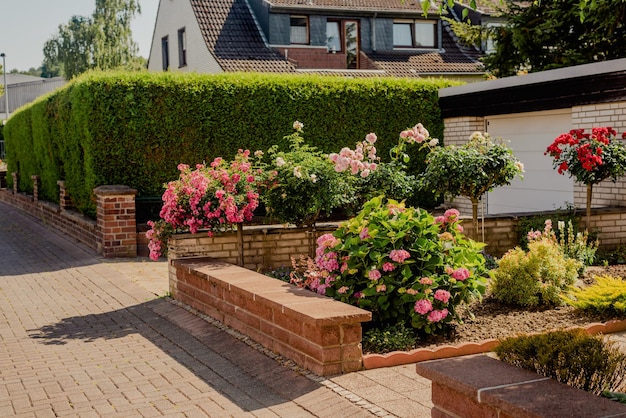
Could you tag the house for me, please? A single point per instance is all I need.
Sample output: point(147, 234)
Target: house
point(23, 89)
point(529, 112)
point(364, 38)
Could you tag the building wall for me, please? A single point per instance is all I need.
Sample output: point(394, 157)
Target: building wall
point(172, 16)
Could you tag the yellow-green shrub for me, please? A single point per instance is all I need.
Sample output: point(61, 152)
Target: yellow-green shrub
point(534, 278)
point(572, 357)
point(607, 295)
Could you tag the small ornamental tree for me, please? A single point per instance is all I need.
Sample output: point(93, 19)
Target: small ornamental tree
point(402, 264)
point(589, 158)
point(470, 170)
point(213, 198)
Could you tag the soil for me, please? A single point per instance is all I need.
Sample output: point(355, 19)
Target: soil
point(495, 320)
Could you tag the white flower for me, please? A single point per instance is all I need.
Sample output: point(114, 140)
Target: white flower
point(313, 178)
point(298, 125)
point(258, 153)
point(280, 162)
point(433, 142)
point(561, 225)
point(519, 166)
point(297, 171)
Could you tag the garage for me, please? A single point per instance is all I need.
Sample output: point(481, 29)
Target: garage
point(528, 135)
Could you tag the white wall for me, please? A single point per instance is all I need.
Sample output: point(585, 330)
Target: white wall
point(172, 16)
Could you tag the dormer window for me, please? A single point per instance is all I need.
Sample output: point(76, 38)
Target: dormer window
point(408, 33)
point(299, 30)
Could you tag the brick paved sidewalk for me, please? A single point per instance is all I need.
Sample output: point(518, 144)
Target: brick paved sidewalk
point(78, 337)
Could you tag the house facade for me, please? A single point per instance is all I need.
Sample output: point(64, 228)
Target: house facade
point(363, 38)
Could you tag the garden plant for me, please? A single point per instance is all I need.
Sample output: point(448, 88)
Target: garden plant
point(589, 157)
point(470, 170)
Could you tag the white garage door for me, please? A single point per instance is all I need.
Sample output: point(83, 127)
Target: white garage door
point(542, 187)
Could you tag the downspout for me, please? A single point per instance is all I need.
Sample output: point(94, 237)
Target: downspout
point(374, 32)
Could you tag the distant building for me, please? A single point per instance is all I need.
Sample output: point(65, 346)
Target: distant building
point(24, 89)
point(358, 38)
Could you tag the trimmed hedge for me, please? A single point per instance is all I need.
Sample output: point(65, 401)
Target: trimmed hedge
point(135, 128)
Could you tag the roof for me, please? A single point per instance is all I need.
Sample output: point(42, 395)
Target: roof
point(412, 6)
point(16, 78)
point(231, 34)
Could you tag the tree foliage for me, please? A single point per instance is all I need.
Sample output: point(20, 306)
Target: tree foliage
point(102, 41)
point(553, 34)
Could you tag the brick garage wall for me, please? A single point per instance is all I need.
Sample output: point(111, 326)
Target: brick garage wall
point(312, 57)
point(586, 117)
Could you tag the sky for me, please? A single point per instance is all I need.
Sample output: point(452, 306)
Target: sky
point(26, 25)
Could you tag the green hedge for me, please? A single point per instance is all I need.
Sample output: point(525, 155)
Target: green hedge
point(135, 128)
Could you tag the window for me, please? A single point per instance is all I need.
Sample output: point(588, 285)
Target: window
point(333, 36)
point(165, 53)
point(415, 33)
point(182, 48)
point(299, 30)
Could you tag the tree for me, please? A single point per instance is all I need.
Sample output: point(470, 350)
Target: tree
point(552, 34)
point(470, 170)
point(102, 41)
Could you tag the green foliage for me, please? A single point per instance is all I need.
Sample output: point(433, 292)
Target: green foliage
point(606, 296)
point(397, 337)
point(401, 264)
point(135, 128)
point(305, 184)
point(534, 278)
point(537, 223)
point(551, 34)
point(572, 357)
point(613, 256)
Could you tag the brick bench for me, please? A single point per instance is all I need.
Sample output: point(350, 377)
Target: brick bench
point(317, 332)
point(480, 386)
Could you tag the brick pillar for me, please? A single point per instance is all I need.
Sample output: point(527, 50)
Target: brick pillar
point(117, 227)
point(16, 176)
point(65, 202)
point(35, 178)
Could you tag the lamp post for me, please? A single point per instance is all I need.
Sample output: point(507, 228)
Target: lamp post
point(6, 87)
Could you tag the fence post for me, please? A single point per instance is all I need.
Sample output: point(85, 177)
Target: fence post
point(116, 220)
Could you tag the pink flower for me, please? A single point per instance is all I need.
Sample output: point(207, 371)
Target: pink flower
point(343, 289)
point(426, 280)
point(440, 220)
point(399, 255)
point(460, 274)
point(423, 306)
point(451, 215)
point(438, 315)
point(371, 137)
point(388, 267)
point(250, 179)
point(411, 291)
point(374, 275)
point(381, 288)
point(358, 295)
point(442, 295)
point(364, 233)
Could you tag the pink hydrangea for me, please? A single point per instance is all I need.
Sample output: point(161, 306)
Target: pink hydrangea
point(387, 267)
point(426, 280)
point(399, 255)
point(442, 295)
point(423, 306)
point(381, 288)
point(411, 291)
point(364, 234)
point(374, 275)
point(342, 290)
point(437, 315)
point(460, 274)
point(451, 215)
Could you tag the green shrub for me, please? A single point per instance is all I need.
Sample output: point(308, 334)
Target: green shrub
point(534, 278)
point(397, 337)
point(608, 257)
point(402, 264)
point(135, 128)
point(572, 357)
point(537, 223)
point(606, 296)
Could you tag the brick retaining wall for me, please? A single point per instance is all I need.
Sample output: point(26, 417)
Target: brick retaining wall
point(318, 333)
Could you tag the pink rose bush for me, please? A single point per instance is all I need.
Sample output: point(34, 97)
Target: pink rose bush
point(409, 267)
point(212, 198)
